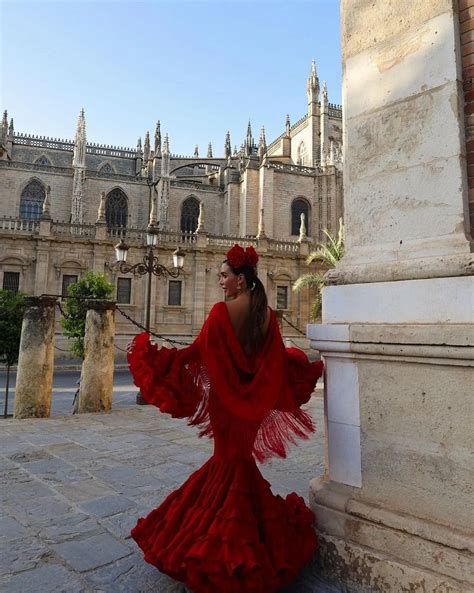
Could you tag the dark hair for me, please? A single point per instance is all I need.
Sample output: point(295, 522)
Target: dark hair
point(252, 329)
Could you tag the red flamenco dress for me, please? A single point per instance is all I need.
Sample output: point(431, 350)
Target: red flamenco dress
point(223, 531)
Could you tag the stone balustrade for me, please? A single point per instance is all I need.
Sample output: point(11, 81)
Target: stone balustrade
point(137, 236)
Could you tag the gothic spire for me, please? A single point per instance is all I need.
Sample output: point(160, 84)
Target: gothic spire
point(166, 145)
point(4, 128)
point(209, 151)
point(79, 166)
point(249, 134)
point(196, 151)
point(158, 139)
point(11, 129)
point(139, 151)
point(227, 146)
point(248, 145)
point(324, 92)
point(146, 148)
point(79, 158)
point(312, 86)
point(262, 143)
point(164, 187)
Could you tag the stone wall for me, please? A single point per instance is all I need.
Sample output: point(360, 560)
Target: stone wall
point(395, 507)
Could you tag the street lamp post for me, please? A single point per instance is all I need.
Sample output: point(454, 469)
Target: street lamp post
point(149, 266)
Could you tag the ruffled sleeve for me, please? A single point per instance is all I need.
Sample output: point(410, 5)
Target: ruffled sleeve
point(302, 374)
point(167, 377)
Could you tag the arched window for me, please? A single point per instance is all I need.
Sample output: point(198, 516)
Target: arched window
point(106, 169)
point(31, 201)
point(301, 158)
point(298, 207)
point(189, 214)
point(43, 160)
point(116, 209)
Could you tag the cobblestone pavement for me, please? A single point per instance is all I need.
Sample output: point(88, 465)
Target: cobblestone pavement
point(71, 489)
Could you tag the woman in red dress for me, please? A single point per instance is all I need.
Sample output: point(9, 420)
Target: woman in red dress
point(223, 531)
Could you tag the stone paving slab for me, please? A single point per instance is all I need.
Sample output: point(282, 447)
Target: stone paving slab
point(71, 489)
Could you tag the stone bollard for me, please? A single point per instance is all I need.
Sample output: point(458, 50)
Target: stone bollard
point(95, 393)
point(34, 382)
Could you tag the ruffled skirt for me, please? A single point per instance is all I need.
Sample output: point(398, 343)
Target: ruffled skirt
point(223, 531)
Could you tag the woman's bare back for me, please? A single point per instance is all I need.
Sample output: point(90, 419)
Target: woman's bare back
point(238, 312)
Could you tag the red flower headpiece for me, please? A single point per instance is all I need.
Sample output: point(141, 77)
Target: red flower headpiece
point(239, 257)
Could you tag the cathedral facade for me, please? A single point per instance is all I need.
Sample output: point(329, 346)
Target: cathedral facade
point(64, 204)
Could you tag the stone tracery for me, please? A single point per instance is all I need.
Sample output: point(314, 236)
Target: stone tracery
point(31, 201)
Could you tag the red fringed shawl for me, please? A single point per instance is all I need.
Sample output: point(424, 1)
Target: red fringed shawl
point(264, 390)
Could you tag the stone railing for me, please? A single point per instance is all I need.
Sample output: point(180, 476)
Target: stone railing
point(59, 144)
point(36, 167)
point(284, 246)
point(188, 184)
point(67, 229)
point(8, 223)
point(137, 237)
point(297, 125)
point(43, 142)
point(294, 168)
point(227, 241)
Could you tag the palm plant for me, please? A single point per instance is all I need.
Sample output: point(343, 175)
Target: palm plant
point(327, 253)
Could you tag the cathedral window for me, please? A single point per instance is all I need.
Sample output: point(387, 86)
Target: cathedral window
point(107, 169)
point(124, 290)
point(282, 298)
point(31, 201)
point(174, 293)
point(298, 207)
point(68, 280)
point(43, 160)
point(116, 209)
point(11, 281)
point(189, 214)
point(301, 159)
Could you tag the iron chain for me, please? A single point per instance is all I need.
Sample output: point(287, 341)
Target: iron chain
point(143, 328)
point(293, 326)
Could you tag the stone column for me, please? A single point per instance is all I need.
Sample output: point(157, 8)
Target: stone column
point(34, 382)
point(43, 251)
point(200, 282)
point(97, 375)
point(395, 508)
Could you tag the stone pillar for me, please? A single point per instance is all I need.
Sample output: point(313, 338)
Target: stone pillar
point(43, 251)
point(34, 382)
point(100, 231)
point(200, 281)
point(97, 375)
point(395, 507)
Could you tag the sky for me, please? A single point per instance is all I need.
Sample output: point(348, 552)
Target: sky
point(202, 67)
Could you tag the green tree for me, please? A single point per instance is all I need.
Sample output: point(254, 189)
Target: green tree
point(12, 307)
point(327, 253)
point(92, 285)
